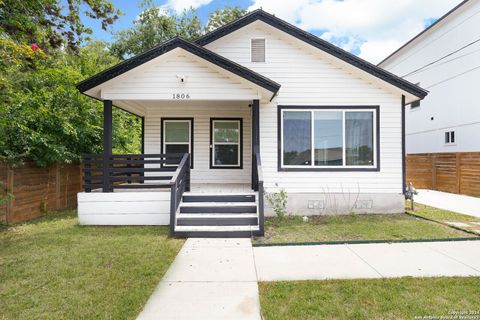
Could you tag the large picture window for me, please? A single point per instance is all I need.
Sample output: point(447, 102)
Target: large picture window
point(328, 138)
point(177, 136)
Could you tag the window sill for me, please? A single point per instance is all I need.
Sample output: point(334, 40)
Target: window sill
point(224, 167)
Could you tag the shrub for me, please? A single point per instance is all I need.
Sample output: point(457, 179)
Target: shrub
point(278, 201)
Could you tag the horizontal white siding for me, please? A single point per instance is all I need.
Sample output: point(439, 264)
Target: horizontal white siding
point(309, 77)
point(202, 112)
point(159, 80)
point(452, 82)
point(124, 208)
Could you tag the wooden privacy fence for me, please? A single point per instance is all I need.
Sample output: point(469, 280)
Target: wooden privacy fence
point(37, 190)
point(449, 172)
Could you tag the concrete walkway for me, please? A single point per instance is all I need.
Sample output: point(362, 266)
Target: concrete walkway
point(449, 201)
point(383, 260)
point(217, 278)
point(209, 279)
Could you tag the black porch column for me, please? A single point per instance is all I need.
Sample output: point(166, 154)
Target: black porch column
point(107, 144)
point(255, 139)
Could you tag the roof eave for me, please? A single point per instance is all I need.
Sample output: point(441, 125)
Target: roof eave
point(315, 41)
point(199, 51)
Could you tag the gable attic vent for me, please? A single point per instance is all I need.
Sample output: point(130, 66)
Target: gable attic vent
point(258, 50)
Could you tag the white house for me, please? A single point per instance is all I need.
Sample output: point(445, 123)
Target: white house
point(257, 105)
point(445, 60)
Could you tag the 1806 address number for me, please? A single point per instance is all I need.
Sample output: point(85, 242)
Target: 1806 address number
point(180, 96)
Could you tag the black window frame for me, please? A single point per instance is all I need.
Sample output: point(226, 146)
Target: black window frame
point(450, 137)
point(374, 108)
point(211, 146)
point(162, 126)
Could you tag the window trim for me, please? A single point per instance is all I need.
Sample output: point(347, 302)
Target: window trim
point(376, 137)
point(240, 143)
point(449, 135)
point(265, 49)
point(162, 138)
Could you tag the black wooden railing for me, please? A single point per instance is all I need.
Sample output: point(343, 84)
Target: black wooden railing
point(129, 171)
point(179, 183)
point(258, 186)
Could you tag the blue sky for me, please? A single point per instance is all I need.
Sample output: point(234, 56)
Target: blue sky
point(131, 8)
point(369, 28)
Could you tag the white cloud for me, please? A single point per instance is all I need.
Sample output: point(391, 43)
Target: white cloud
point(375, 28)
point(376, 51)
point(180, 5)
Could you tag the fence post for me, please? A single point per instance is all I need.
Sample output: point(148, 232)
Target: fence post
point(458, 174)
point(434, 172)
point(9, 186)
point(58, 191)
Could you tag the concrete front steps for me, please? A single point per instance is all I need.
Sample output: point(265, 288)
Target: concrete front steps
point(217, 215)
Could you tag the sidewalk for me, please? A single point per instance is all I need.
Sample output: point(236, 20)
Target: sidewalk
point(217, 278)
point(209, 279)
point(449, 201)
point(376, 260)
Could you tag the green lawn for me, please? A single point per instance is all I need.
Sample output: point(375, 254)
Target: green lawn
point(445, 216)
point(52, 268)
point(403, 298)
point(293, 229)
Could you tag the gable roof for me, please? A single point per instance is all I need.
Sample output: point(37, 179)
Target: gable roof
point(167, 46)
point(424, 31)
point(315, 41)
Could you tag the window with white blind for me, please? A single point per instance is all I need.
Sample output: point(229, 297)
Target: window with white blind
point(258, 50)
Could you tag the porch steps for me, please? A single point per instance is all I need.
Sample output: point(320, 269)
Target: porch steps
point(217, 215)
point(217, 219)
point(218, 207)
point(247, 197)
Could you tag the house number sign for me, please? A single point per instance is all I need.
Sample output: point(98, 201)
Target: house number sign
point(180, 96)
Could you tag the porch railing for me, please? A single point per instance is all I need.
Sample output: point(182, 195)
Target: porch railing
point(129, 171)
point(258, 186)
point(140, 171)
point(179, 183)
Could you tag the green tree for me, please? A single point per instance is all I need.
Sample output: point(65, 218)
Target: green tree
point(221, 17)
point(44, 118)
point(156, 25)
point(152, 27)
point(50, 24)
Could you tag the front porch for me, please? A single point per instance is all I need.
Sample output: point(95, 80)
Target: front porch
point(118, 191)
point(198, 193)
point(201, 127)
